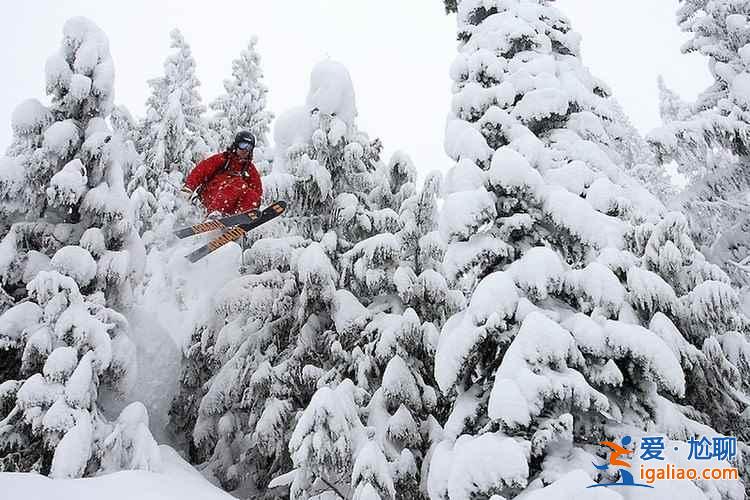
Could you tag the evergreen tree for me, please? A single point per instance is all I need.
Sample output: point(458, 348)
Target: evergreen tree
point(260, 379)
point(173, 136)
point(709, 139)
point(591, 314)
point(67, 261)
point(125, 128)
point(243, 105)
point(634, 154)
point(142, 202)
point(325, 382)
point(671, 105)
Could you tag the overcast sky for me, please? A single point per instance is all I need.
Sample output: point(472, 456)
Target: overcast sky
point(397, 51)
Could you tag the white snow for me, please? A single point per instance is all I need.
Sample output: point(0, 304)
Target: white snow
point(57, 71)
point(745, 54)
point(331, 91)
point(371, 466)
point(394, 330)
point(542, 103)
point(314, 266)
point(535, 368)
point(496, 295)
point(539, 271)
point(464, 212)
point(465, 409)
point(178, 481)
point(662, 326)
point(616, 260)
point(606, 196)
point(508, 403)
point(464, 176)
point(649, 351)
point(59, 417)
point(80, 86)
point(78, 386)
point(130, 445)
point(30, 117)
point(60, 364)
point(329, 428)
point(599, 285)
point(572, 486)
point(741, 88)
point(74, 450)
point(462, 141)
point(736, 22)
point(494, 301)
point(12, 175)
point(737, 349)
point(575, 176)
point(709, 301)
point(292, 127)
point(75, 262)
point(68, 185)
point(349, 315)
point(512, 172)
point(20, 320)
point(35, 262)
point(483, 463)
point(61, 138)
point(577, 216)
point(459, 339)
point(462, 256)
point(399, 385)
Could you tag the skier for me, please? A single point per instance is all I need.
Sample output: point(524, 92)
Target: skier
point(228, 182)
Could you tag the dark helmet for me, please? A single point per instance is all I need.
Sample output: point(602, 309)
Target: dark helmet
point(243, 136)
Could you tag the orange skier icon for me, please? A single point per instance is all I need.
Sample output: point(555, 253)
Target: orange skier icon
point(617, 451)
point(626, 477)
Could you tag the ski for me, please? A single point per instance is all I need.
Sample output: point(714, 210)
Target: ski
point(238, 231)
point(223, 223)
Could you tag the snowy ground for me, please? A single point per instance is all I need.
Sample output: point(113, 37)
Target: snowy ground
point(178, 481)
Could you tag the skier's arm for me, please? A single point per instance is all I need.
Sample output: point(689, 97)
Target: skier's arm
point(203, 171)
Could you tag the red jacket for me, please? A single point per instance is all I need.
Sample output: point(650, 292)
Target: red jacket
point(226, 190)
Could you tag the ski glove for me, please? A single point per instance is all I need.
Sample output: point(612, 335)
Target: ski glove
point(186, 194)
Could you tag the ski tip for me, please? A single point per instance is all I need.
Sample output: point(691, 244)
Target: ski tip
point(197, 255)
point(184, 233)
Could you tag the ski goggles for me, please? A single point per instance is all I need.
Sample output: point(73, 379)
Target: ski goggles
point(245, 146)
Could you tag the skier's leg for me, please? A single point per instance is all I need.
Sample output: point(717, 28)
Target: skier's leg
point(215, 215)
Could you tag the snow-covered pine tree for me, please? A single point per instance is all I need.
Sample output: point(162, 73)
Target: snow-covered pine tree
point(243, 105)
point(172, 138)
point(71, 257)
point(174, 135)
point(591, 315)
point(390, 353)
point(709, 139)
point(636, 157)
point(142, 202)
point(125, 126)
point(307, 343)
point(391, 301)
point(266, 326)
point(671, 106)
point(67, 173)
